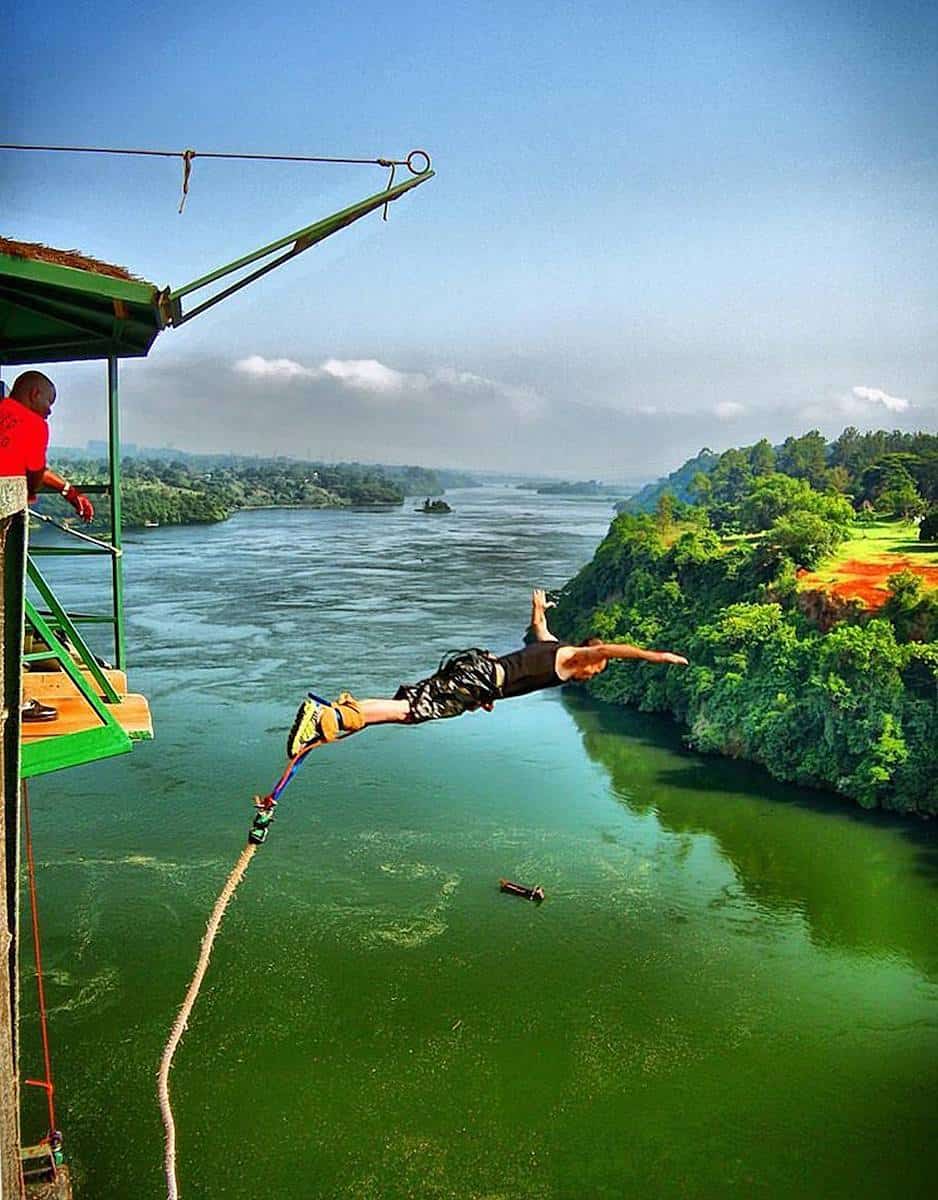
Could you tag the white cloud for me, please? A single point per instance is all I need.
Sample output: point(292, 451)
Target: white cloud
point(275, 368)
point(726, 410)
point(368, 375)
point(867, 396)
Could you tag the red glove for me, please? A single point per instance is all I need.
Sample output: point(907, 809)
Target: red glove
point(81, 504)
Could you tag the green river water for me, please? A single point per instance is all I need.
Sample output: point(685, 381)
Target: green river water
point(730, 991)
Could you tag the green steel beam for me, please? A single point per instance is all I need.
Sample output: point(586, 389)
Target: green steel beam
point(301, 240)
point(114, 463)
point(85, 619)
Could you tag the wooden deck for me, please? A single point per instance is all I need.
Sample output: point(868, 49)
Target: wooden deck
point(75, 714)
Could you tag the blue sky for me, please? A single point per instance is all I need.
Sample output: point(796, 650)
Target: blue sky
point(653, 227)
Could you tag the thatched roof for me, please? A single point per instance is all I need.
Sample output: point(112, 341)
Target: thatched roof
point(62, 258)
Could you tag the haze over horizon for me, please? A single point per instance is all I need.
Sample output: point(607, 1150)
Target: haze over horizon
point(653, 228)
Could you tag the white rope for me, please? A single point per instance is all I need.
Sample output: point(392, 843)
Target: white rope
point(182, 1020)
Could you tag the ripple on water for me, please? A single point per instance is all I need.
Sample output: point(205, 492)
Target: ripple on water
point(100, 990)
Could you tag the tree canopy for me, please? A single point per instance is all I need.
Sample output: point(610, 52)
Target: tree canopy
point(852, 707)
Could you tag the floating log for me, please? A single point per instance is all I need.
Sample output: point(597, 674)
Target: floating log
point(518, 889)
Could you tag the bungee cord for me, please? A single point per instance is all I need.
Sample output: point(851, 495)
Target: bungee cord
point(265, 807)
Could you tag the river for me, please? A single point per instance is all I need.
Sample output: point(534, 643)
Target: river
point(730, 991)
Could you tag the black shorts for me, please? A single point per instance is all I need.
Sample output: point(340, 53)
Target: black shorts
point(465, 680)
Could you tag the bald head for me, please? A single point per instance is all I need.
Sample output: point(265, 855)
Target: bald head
point(34, 390)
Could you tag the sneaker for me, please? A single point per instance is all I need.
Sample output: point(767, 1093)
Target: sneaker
point(314, 722)
point(32, 710)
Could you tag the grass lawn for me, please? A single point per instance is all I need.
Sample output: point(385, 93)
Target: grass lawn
point(862, 565)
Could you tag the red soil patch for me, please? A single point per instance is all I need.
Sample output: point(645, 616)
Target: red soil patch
point(866, 581)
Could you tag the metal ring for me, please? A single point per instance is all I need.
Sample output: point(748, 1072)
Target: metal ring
point(410, 163)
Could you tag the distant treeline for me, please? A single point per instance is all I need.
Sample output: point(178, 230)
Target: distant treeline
point(155, 491)
point(587, 487)
point(850, 704)
point(892, 472)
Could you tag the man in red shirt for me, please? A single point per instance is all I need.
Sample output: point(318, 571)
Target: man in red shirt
point(24, 438)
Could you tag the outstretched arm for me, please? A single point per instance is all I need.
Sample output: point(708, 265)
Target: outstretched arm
point(589, 655)
point(539, 606)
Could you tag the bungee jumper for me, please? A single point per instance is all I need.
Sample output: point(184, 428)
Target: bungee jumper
point(467, 680)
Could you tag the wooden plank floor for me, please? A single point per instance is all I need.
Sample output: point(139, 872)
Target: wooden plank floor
point(75, 714)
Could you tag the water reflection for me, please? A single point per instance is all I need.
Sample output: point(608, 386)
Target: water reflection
point(863, 881)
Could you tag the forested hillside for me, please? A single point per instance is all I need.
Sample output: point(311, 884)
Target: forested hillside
point(190, 491)
point(848, 703)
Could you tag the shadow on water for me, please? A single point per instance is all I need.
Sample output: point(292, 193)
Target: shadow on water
point(862, 880)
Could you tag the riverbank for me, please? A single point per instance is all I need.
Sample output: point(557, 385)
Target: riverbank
point(209, 489)
point(850, 709)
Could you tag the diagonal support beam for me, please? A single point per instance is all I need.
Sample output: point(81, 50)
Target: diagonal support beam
point(170, 300)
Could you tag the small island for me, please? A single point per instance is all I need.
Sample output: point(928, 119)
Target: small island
point(433, 506)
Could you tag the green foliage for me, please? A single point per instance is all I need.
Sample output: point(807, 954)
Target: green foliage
point(928, 530)
point(890, 487)
point(912, 610)
point(857, 453)
point(839, 468)
point(187, 492)
point(803, 536)
point(679, 483)
point(585, 487)
point(805, 458)
point(762, 458)
point(773, 496)
point(854, 710)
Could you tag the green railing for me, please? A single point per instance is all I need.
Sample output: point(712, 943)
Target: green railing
point(68, 750)
point(58, 620)
point(59, 630)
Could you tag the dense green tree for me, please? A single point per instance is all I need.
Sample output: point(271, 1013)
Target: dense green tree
point(897, 494)
point(771, 497)
point(838, 479)
point(911, 608)
point(664, 512)
point(805, 458)
point(762, 458)
point(700, 489)
point(731, 476)
point(804, 537)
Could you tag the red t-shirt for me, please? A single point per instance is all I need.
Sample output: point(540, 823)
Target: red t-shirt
point(24, 437)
